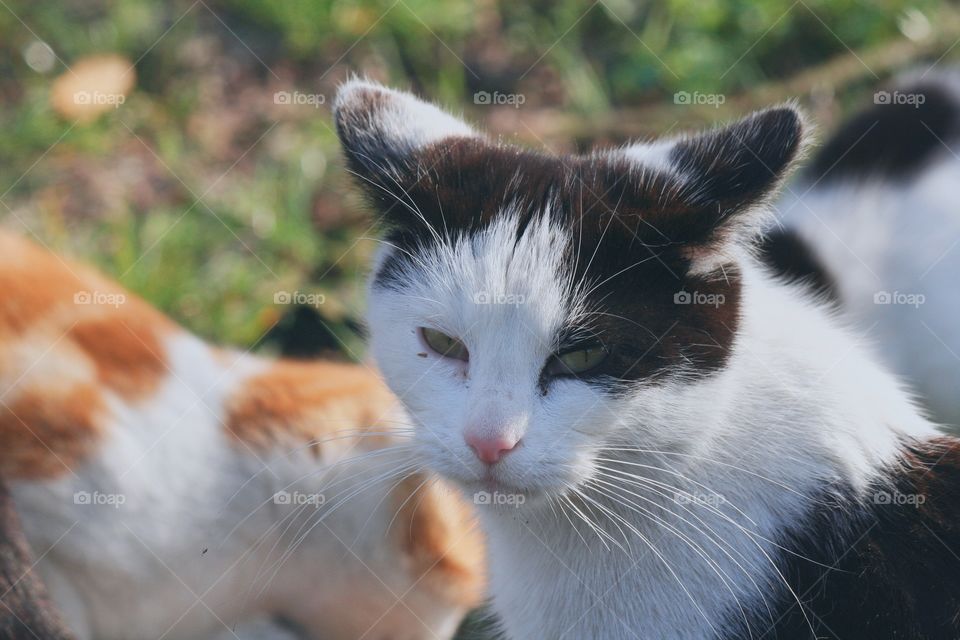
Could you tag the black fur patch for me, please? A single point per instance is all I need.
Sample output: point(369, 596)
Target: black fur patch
point(894, 560)
point(630, 234)
point(634, 233)
point(891, 140)
point(303, 332)
point(792, 258)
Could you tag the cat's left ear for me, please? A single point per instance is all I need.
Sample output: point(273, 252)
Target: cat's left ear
point(721, 179)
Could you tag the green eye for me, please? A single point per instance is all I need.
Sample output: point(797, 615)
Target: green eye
point(444, 345)
point(579, 361)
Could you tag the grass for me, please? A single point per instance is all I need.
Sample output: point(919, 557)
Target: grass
point(207, 198)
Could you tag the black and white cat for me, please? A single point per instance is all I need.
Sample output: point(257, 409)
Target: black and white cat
point(877, 209)
point(666, 440)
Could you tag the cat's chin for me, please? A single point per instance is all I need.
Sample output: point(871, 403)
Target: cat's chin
point(501, 495)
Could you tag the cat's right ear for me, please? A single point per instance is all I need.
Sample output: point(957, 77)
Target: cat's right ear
point(384, 133)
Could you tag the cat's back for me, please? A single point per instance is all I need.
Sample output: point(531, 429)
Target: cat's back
point(83, 361)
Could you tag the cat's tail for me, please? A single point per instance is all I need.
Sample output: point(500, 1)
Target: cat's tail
point(874, 222)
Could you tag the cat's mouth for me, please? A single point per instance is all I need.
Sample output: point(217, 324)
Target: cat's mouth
point(508, 482)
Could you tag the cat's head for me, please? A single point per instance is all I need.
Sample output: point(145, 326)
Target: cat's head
point(532, 309)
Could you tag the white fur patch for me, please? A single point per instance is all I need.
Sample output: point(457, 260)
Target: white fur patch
point(473, 290)
point(401, 117)
point(651, 155)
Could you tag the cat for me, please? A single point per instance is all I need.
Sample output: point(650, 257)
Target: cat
point(876, 215)
point(664, 439)
point(174, 489)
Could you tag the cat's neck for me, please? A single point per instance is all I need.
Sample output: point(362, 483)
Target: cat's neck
point(806, 382)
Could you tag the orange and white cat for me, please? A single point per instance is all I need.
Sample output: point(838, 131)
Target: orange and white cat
point(173, 489)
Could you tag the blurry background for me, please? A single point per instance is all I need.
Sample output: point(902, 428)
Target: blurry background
point(186, 147)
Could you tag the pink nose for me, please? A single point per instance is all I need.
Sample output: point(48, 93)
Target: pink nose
point(491, 449)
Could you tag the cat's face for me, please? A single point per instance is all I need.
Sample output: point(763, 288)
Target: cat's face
point(530, 309)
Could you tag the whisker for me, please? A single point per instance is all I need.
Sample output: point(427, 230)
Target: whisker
point(697, 548)
point(347, 459)
point(673, 573)
point(751, 535)
point(696, 457)
point(300, 538)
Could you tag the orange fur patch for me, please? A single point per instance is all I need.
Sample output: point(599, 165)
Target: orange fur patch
point(127, 354)
point(441, 540)
point(69, 335)
point(308, 401)
point(47, 433)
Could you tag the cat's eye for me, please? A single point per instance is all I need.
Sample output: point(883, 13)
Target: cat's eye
point(444, 345)
point(577, 361)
